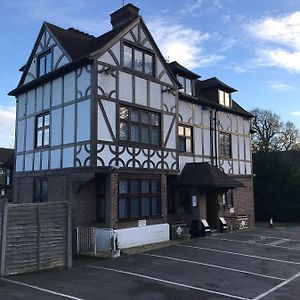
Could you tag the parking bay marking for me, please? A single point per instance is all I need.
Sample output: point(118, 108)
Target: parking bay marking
point(276, 287)
point(240, 254)
point(253, 243)
point(214, 266)
point(41, 289)
point(169, 282)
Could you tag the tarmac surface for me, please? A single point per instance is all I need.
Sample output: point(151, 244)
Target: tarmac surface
point(255, 264)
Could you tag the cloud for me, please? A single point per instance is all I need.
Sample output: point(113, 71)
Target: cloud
point(295, 113)
point(280, 39)
point(7, 126)
point(192, 6)
point(182, 43)
point(279, 86)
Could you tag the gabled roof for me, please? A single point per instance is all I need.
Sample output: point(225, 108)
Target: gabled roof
point(177, 68)
point(206, 176)
point(214, 82)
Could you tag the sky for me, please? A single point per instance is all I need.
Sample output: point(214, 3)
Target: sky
point(251, 45)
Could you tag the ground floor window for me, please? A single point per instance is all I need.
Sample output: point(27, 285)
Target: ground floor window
point(139, 197)
point(40, 190)
point(228, 198)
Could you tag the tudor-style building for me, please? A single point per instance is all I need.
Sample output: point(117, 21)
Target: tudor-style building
point(108, 125)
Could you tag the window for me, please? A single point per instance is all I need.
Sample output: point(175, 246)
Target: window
point(139, 126)
point(138, 60)
point(45, 63)
point(224, 144)
point(185, 134)
point(40, 191)
point(42, 130)
point(224, 98)
point(8, 177)
point(186, 84)
point(139, 198)
point(228, 198)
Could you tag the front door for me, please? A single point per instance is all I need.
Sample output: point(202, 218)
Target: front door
point(212, 209)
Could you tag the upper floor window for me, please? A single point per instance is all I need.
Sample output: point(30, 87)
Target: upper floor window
point(224, 98)
point(139, 126)
point(186, 84)
point(224, 144)
point(42, 130)
point(45, 63)
point(185, 134)
point(139, 197)
point(138, 60)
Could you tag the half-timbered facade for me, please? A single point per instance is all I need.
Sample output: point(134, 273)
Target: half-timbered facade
point(107, 124)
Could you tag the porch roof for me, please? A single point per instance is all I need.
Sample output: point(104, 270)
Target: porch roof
point(207, 176)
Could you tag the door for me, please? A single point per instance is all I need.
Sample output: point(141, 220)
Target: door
point(212, 209)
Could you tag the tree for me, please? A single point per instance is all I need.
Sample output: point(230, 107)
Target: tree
point(272, 134)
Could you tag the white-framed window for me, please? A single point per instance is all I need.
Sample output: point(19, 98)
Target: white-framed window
point(224, 98)
point(45, 63)
point(186, 85)
point(224, 144)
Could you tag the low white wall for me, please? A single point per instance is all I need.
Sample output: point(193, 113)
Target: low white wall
point(139, 236)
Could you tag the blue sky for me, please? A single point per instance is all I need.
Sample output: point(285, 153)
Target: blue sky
point(252, 45)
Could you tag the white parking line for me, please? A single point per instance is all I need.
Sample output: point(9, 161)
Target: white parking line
point(241, 254)
point(213, 266)
point(253, 243)
point(170, 282)
point(276, 287)
point(265, 236)
point(40, 289)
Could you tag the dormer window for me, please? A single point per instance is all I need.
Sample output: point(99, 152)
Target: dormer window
point(224, 98)
point(186, 84)
point(45, 63)
point(138, 59)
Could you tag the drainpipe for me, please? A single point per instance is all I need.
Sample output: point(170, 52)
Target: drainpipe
point(211, 136)
point(216, 140)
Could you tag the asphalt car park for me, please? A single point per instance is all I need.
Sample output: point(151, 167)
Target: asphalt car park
point(254, 264)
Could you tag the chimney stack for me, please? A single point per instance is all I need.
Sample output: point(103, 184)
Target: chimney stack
point(124, 15)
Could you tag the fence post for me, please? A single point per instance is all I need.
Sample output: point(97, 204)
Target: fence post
point(4, 232)
point(69, 236)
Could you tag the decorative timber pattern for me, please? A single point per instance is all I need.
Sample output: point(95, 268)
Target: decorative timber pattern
point(34, 236)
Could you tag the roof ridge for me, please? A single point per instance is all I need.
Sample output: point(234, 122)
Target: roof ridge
point(72, 29)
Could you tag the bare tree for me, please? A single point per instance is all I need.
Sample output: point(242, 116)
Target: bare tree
point(271, 134)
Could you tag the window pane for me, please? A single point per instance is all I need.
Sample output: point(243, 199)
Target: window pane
point(48, 62)
point(46, 120)
point(138, 63)
point(181, 80)
point(123, 186)
point(155, 136)
point(154, 119)
point(226, 99)
point(188, 131)
point(44, 191)
point(145, 117)
point(145, 206)
point(182, 144)
point(154, 205)
point(127, 57)
point(134, 186)
point(40, 121)
point(46, 137)
point(123, 131)
point(145, 134)
point(42, 65)
point(154, 186)
point(39, 138)
point(134, 207)
point(188, 86)
point(135, 133)
point(221, 97)
point(188, 143)
point(148, 64)
point(227, 138)
point(134, 115)
point(123, 208)
point(180, 130)
point(145, 186)
point(123, 113)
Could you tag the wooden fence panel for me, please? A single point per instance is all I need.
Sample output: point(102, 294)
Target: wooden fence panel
point(36, 237)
